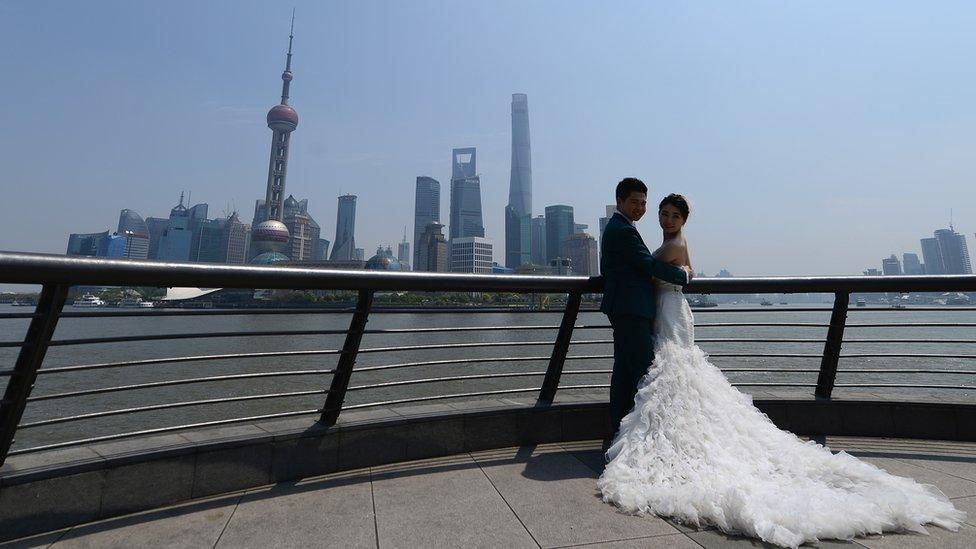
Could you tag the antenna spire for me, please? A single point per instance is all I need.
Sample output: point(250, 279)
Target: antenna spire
point(287, 76)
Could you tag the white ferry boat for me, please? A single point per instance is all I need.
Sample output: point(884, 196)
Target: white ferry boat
point(134, 302)
point(88, 300)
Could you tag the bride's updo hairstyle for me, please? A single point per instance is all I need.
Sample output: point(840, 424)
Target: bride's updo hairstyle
point(679, 202)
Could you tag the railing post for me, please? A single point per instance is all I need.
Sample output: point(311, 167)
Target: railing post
point(831, 352)
point(560, 348)
point(347, 359)
point(29, 360)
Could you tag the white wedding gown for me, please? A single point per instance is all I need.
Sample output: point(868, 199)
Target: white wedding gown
point(694, 448)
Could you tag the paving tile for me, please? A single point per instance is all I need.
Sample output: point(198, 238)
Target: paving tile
point(40, 540)
point(714, 539)
point(331, 511)
point(967, 504)
point(952, 486)
point(556, 498)
point(938, 538)
point(678, 541)
point(964, 467)
point(446, 503)
point(191, 525)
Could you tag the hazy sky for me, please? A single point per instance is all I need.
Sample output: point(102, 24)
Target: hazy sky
point(810, 137)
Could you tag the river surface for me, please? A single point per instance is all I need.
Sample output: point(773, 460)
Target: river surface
point(489, 355)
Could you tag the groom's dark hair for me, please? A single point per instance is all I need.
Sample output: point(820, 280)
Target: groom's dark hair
point(629, 185)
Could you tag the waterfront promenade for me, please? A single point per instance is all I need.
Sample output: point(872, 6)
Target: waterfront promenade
point(531, 496)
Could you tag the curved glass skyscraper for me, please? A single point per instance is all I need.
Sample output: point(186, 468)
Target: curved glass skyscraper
point(518, 212)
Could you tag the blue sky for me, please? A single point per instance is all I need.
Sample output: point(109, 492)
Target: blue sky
point(810, 137)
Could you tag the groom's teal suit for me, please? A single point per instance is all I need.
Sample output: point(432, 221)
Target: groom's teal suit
point(629, 300)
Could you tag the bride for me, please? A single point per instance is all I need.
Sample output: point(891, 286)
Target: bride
point(694, 448)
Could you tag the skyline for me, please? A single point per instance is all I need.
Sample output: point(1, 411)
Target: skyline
point(900, 131)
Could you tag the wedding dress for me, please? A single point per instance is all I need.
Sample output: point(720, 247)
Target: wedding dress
point(695, 448)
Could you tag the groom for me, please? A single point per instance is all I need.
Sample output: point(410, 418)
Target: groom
point(629, 298)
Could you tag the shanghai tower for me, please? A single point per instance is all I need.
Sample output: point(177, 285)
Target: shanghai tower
point(518, 212)
point(270, 236)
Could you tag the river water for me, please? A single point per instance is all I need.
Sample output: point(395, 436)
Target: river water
point(787, 368)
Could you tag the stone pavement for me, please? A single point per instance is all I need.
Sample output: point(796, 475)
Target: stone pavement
point(542, 496)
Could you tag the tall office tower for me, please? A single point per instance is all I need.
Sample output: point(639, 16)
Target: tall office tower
point(403, 252)
point(910, 264)
point(932, 256)
point(322, 250)
point(466, 217)
point(208, 236)
point(426, 210)
point(359, 254)
point(581, 250)
point(559, 225)
point(90, 244)
point(270, 236)
point(134, 229)
point(433, 249)
point(344, 247)
point(175, 243)
point(890, 266)
point(579, 228)
point(157, 226)
point(955, 252)
point(304, 231)
point(471, 254)
point(235, 239)
point(605, 220)
point(539, 240)
point(518, 212)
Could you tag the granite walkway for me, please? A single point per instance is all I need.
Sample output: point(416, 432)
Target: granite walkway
point(542, 496)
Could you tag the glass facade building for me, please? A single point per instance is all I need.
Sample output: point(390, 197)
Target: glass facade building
point(518, 212)
point(466, 218)
point(559, 225)
point(426, 210)
point(344, 247)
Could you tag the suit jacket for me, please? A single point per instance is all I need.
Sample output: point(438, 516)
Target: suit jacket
point(627, 267)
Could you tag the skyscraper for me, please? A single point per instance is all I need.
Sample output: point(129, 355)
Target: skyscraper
point(890, 266)
point(471, 254)
point(304, 231)
point(90, 244)
point(559, 225)
point(134, 229)
point(271, 235)
point(344, 247)
point(235, 238)
point(174, 245)
point(518, 212)
point(581, 250)
point(605, 220)
point(157, 226)
point(466, 219)
point(403, 252)
point(426, 210)
point(955, 252)
point(539, 240)
point(433, 249)
point(932, 256)
point(910, 264)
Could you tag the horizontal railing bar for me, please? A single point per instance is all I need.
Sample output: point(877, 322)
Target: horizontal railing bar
point(167, 406)
point(193, 335)
point(903, 355)
point(765, 355)
point(904, 371)
point(761, 324)
point(905, 386)
point(475, 345)
point(170, 382)
point(167, 360)
point(442, 379)
point(5, 316)
point(941, 309)
point(130, 434)
point(439, 397)
point(31, 268)
point(455, 361)
point(915, 325)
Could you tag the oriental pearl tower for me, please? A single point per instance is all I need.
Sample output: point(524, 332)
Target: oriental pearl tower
point(270, 237)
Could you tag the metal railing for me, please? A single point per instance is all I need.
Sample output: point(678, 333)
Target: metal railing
point(57, 273)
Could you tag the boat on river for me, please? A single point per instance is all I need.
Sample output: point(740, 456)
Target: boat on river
point(134, 302)
point(88, 301)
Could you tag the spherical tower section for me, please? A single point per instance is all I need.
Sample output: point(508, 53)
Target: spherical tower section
point(270, 236)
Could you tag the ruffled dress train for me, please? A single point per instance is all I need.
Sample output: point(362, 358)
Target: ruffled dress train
point(694, 448)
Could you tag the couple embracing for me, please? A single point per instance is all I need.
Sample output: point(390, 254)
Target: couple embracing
point(689, 446)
